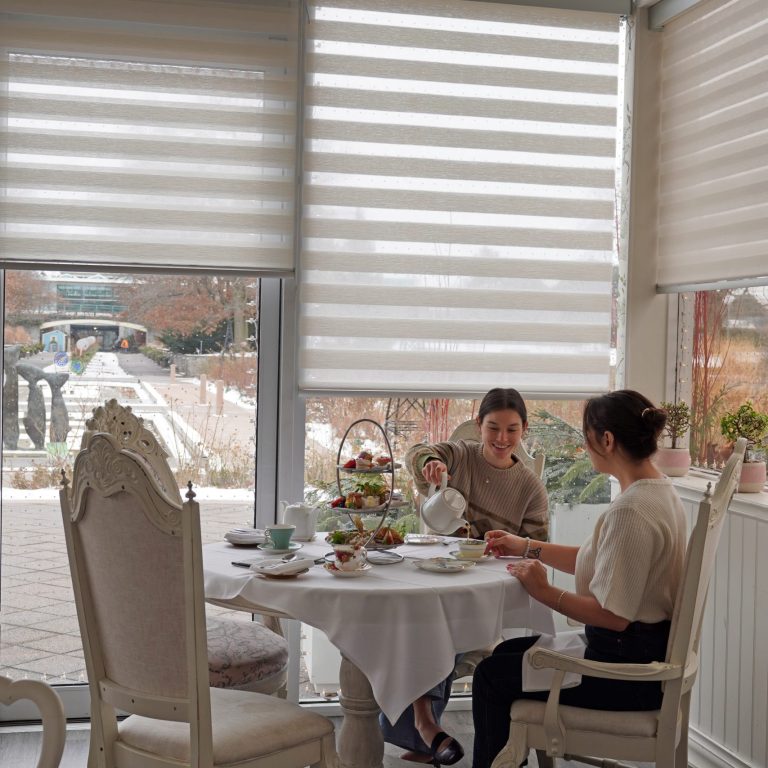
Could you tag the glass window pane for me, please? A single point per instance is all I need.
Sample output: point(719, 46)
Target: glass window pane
point(576, 493)
point(729, 367)
point(181, 352)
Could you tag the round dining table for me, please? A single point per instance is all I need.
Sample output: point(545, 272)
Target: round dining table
point(398, 627)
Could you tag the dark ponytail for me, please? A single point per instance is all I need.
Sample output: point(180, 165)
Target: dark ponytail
point(635, 422)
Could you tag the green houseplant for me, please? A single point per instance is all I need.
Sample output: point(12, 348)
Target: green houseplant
point(674, 459)
point(751, 424)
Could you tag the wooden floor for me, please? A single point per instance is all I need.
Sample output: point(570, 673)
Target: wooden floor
point(20, 749)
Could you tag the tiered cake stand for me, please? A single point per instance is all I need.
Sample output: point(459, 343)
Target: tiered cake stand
point(378, 553)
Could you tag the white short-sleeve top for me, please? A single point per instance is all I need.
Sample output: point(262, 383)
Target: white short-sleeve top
point(633, 561)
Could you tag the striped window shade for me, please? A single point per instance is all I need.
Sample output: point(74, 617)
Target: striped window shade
point(149, 134)
point(458, 228)
point(713, 207)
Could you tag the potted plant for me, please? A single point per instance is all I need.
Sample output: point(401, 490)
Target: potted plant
point(753, 425)
point(674, 459)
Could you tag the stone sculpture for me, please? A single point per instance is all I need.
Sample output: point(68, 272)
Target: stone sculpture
point(11, 397)
point(34, 419)
point(59, 414)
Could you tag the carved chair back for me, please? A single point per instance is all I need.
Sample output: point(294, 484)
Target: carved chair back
point(135, 559)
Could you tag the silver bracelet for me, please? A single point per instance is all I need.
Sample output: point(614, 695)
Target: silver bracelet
point(527, 546)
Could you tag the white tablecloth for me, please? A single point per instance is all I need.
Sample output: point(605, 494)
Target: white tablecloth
point(400, 625)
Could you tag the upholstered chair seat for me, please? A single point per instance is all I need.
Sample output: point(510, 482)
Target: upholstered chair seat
point(281, 726)
point(245, 655)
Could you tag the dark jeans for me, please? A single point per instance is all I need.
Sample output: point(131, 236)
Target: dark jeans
point(497, 683)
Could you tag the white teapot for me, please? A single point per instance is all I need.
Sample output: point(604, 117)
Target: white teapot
point(303, 516)
point(443, 508)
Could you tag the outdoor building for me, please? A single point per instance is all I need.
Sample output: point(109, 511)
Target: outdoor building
point(302, 216)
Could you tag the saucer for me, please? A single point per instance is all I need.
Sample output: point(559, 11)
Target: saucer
point(467, 559)
point(267, 550)
point(331, 568)
point(443, 565)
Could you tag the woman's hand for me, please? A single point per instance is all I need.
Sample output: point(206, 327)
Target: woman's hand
point(433, 471)
point(503, 544)
point(532, 575)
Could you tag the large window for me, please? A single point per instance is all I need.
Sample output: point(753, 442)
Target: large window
point(191, 376)
point(576, 492)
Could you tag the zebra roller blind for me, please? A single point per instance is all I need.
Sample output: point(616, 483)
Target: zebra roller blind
point(459, 197)
point(713, 211)
point(149, 134)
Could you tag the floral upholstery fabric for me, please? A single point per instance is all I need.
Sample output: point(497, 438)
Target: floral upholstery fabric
point(243, 652)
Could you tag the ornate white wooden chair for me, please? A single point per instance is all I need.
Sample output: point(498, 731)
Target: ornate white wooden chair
point(51, 713)
point(244, 655)
point(660, 736)
point(136, 564)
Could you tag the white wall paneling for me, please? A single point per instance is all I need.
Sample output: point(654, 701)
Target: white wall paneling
point(729, 707)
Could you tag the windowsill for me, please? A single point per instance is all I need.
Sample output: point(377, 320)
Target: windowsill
point(694, 484)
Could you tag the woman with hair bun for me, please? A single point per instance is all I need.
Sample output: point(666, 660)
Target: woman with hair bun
point(627, 575)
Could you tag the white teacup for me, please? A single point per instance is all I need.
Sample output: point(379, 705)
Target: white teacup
point(349, 557)
point(442, 510)
point(471, 549)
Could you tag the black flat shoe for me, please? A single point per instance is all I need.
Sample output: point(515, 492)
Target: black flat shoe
point(451, 753)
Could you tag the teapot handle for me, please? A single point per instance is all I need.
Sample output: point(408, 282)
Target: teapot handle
point(443, 485)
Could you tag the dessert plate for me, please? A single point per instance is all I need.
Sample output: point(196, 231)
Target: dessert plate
point(269, 550)
point(422, 538)
point(376, 469)
point(443, 565)
point(331, 568)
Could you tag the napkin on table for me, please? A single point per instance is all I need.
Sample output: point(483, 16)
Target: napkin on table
point(245, 536)
point(282, 569)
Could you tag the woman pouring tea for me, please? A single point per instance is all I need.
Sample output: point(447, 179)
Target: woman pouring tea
point(501, 493)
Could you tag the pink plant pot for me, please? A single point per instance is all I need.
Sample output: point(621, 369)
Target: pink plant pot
point(673, 462)
point(752, 477)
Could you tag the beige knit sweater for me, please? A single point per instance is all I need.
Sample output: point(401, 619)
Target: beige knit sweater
point(633, 561)
point(512, 499)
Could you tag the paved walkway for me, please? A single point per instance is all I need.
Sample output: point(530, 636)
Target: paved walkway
point(39, 636)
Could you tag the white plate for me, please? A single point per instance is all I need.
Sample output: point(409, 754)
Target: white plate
point(292, 547)
point(422, 538)
point(244, 539)
point(397, 504)
point(443, 565)
point(264, 568)
point(466, 558)
point(373, 470)
point(332, 569)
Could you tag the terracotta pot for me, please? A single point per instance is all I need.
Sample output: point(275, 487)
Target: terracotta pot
point(752, 477)
point(673, 462)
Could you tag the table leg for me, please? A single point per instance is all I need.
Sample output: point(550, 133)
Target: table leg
point(361, 744)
